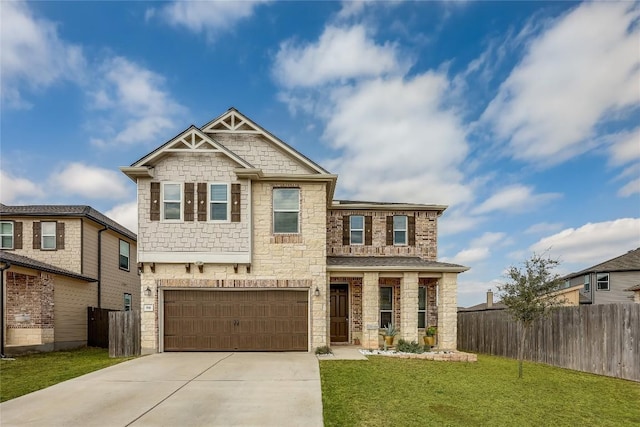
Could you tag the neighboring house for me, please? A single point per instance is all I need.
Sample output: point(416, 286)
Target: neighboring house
point(62, 260)
point(609, 282)
point(567, 297)
point(242, 247)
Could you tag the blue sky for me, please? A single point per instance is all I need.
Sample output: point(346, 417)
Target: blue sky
point(523, 117)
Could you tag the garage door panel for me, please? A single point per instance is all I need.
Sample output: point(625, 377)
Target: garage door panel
point(273, 320)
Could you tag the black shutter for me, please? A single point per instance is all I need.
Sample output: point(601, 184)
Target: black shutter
point(17, 235)
point(202, 201)
point(390, 230)
point(154, 212)
point(235, 202)
point(411, 230)
point(188, 201)
point(368, 234)
point(36, 235)
point(346, 238)
point(59, 235)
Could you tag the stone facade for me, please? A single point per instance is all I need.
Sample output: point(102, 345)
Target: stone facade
point(426, 245)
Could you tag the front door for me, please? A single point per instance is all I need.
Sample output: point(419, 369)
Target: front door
point(339, 313)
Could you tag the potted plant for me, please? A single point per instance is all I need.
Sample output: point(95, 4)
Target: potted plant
point(430, 338)
point(389, 332)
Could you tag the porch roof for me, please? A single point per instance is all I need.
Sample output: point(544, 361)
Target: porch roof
point(23, 261)
point(390, 263)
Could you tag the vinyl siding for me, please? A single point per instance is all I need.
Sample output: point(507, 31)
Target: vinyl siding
point(117, 282)
point(71, 299)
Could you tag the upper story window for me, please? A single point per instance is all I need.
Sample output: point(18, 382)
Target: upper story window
point(586, 282)
point(602, 281)
point(6, 235)
point(127, 302)
point(218, 202)
point(171, 201)
point(124, 255)
point(286, 210)
point(386, 305)
point(399, 229)
point(48, 232)
point(356, 227)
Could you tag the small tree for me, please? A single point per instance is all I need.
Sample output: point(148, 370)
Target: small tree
point(527, 295)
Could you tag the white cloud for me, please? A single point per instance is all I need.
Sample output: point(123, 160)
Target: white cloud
point(457, 221)
point(581, 70)
point(630, 188)
point(33, 55)
point(209, 17)
point(89, 181)
point(479, 248)
point(125, 214)
point(339, 54)
point(139, 108)
point(626, 147)
point(543, 227)
point(14, 189)
point(515, 198)
point(593, 242)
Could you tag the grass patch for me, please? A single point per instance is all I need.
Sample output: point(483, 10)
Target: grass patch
point(410, 392)
point(33, 372)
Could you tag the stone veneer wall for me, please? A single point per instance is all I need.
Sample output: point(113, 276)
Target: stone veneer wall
point(296, 262)
point(426, 235)
point(29, 295)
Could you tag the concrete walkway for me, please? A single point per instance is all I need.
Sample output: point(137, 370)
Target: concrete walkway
point(181, 389)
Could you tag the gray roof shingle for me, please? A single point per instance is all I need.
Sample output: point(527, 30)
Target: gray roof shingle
point(627, 262)
point(67, 210)
point(23, 261)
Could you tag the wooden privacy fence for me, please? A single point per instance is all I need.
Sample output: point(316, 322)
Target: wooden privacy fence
point(601, 339)
point(98, 327)
point(124, 333)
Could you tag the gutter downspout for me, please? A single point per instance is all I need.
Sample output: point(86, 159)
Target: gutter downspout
point(7, 264)
point(100, 266)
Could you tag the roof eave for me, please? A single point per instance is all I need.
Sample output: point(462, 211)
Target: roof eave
point(389, 207)
point(135, 172)
point(395, 268)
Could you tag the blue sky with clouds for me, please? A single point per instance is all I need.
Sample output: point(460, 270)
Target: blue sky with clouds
point(523, 117)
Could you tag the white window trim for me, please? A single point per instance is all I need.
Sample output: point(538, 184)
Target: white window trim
point(406, 231)
point(54, 235)
point(386, 311)
point(425, 305)
point(356, 229)
point(209, 184)
point(608, 282)
point(11, 235)
point(120, 241)
point(273, 209)
point(162, 201)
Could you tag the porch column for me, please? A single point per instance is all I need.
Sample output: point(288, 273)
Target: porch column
point(370, 310)
point(409, 306)
point(447, 312)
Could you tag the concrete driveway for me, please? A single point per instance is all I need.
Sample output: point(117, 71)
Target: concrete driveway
point(181, 389)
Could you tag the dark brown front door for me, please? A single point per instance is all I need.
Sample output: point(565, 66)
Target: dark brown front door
point(339, 313)
point(270, 320)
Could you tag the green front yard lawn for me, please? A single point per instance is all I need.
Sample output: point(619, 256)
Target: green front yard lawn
point(388, 391)
point(36, 371)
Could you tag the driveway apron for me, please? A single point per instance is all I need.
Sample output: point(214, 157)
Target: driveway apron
point(181, 389)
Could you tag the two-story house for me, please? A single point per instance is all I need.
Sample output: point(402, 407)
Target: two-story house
point(611, 281)
point(242, 247)
point(61, 260)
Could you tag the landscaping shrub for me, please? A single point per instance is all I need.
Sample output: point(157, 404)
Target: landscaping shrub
point(325, 349)
point(409, 347)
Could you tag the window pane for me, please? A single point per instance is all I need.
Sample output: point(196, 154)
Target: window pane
point(357, 222)
point(172, 210)
point(356, 237)
point(385, 319)
point(399, 222)
point(6, 228)
point(219, 193)
point(422, 298)
point(386, 294)
point(49, 228)
point(124, 262)
point(421, 320)
point(219, 211)
point(286, 199)
point(124, 248)
point(48, 242)
point(172, 191)
point(399, 237)
point(7, 242)
point(285, 222)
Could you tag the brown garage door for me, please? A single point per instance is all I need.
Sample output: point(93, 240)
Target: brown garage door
point(270, 320)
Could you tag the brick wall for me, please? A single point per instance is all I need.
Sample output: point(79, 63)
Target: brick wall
point(426, 235)
point(31, 296)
